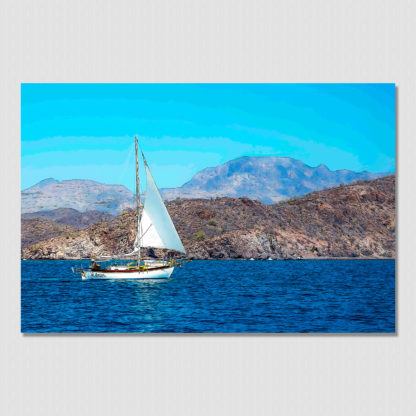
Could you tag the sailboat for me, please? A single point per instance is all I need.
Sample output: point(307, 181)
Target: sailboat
point(155, 229)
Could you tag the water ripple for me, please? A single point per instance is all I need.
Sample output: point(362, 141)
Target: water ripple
point(215, 296)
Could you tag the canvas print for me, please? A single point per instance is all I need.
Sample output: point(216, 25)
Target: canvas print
point(208, 208)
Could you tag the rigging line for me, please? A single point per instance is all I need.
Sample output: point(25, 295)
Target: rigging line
point(153, 179)
point(148, 228)
point(142, 184)
point(122, 172)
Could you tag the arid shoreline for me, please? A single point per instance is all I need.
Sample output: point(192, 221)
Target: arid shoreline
point(347, 222)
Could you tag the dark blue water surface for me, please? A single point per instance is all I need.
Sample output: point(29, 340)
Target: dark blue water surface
point(215, 296)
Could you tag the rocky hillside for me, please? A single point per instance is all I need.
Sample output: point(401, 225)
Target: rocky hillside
point(82, 195)
point(266, 179)
point(70, 216)
point(357, 220)
point(34, 230)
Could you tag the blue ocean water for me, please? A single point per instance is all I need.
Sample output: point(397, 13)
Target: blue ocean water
point(327, 296)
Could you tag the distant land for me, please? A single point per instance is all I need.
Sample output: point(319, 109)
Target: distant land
point(266, 179)
point(79, 194)
point(354, 221)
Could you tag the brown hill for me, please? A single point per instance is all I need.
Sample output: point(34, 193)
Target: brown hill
point(34, 230)
point(356, 220)
point(70, 216)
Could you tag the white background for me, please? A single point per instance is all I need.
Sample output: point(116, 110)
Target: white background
point(205, 41)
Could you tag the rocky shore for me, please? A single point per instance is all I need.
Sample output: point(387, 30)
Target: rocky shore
point(352, 221)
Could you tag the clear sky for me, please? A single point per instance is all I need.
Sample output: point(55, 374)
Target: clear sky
point(86, 131)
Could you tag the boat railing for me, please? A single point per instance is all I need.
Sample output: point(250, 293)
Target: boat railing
point(77, 270)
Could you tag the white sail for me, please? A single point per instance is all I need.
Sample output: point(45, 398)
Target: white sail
point(156, 227)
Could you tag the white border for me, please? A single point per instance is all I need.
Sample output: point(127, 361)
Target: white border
point(197, 41)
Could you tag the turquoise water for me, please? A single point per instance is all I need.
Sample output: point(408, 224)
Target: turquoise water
point(327, 296)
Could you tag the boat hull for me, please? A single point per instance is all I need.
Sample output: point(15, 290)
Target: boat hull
point(158, 273)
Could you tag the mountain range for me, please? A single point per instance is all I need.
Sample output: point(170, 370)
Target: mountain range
point(79, 194)
point(266, 179)
point(355, 221)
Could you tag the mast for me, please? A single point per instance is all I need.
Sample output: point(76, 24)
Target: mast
point(157, 228)
point(138, 201)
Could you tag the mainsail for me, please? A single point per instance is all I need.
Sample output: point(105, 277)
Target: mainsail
point(156, 228)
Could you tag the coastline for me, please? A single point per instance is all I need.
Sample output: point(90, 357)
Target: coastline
point(356, 221)
point(303, 259)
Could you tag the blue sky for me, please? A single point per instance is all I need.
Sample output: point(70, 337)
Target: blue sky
point(86, 131)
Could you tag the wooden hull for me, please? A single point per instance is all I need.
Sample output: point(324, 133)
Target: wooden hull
point(157, 273)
